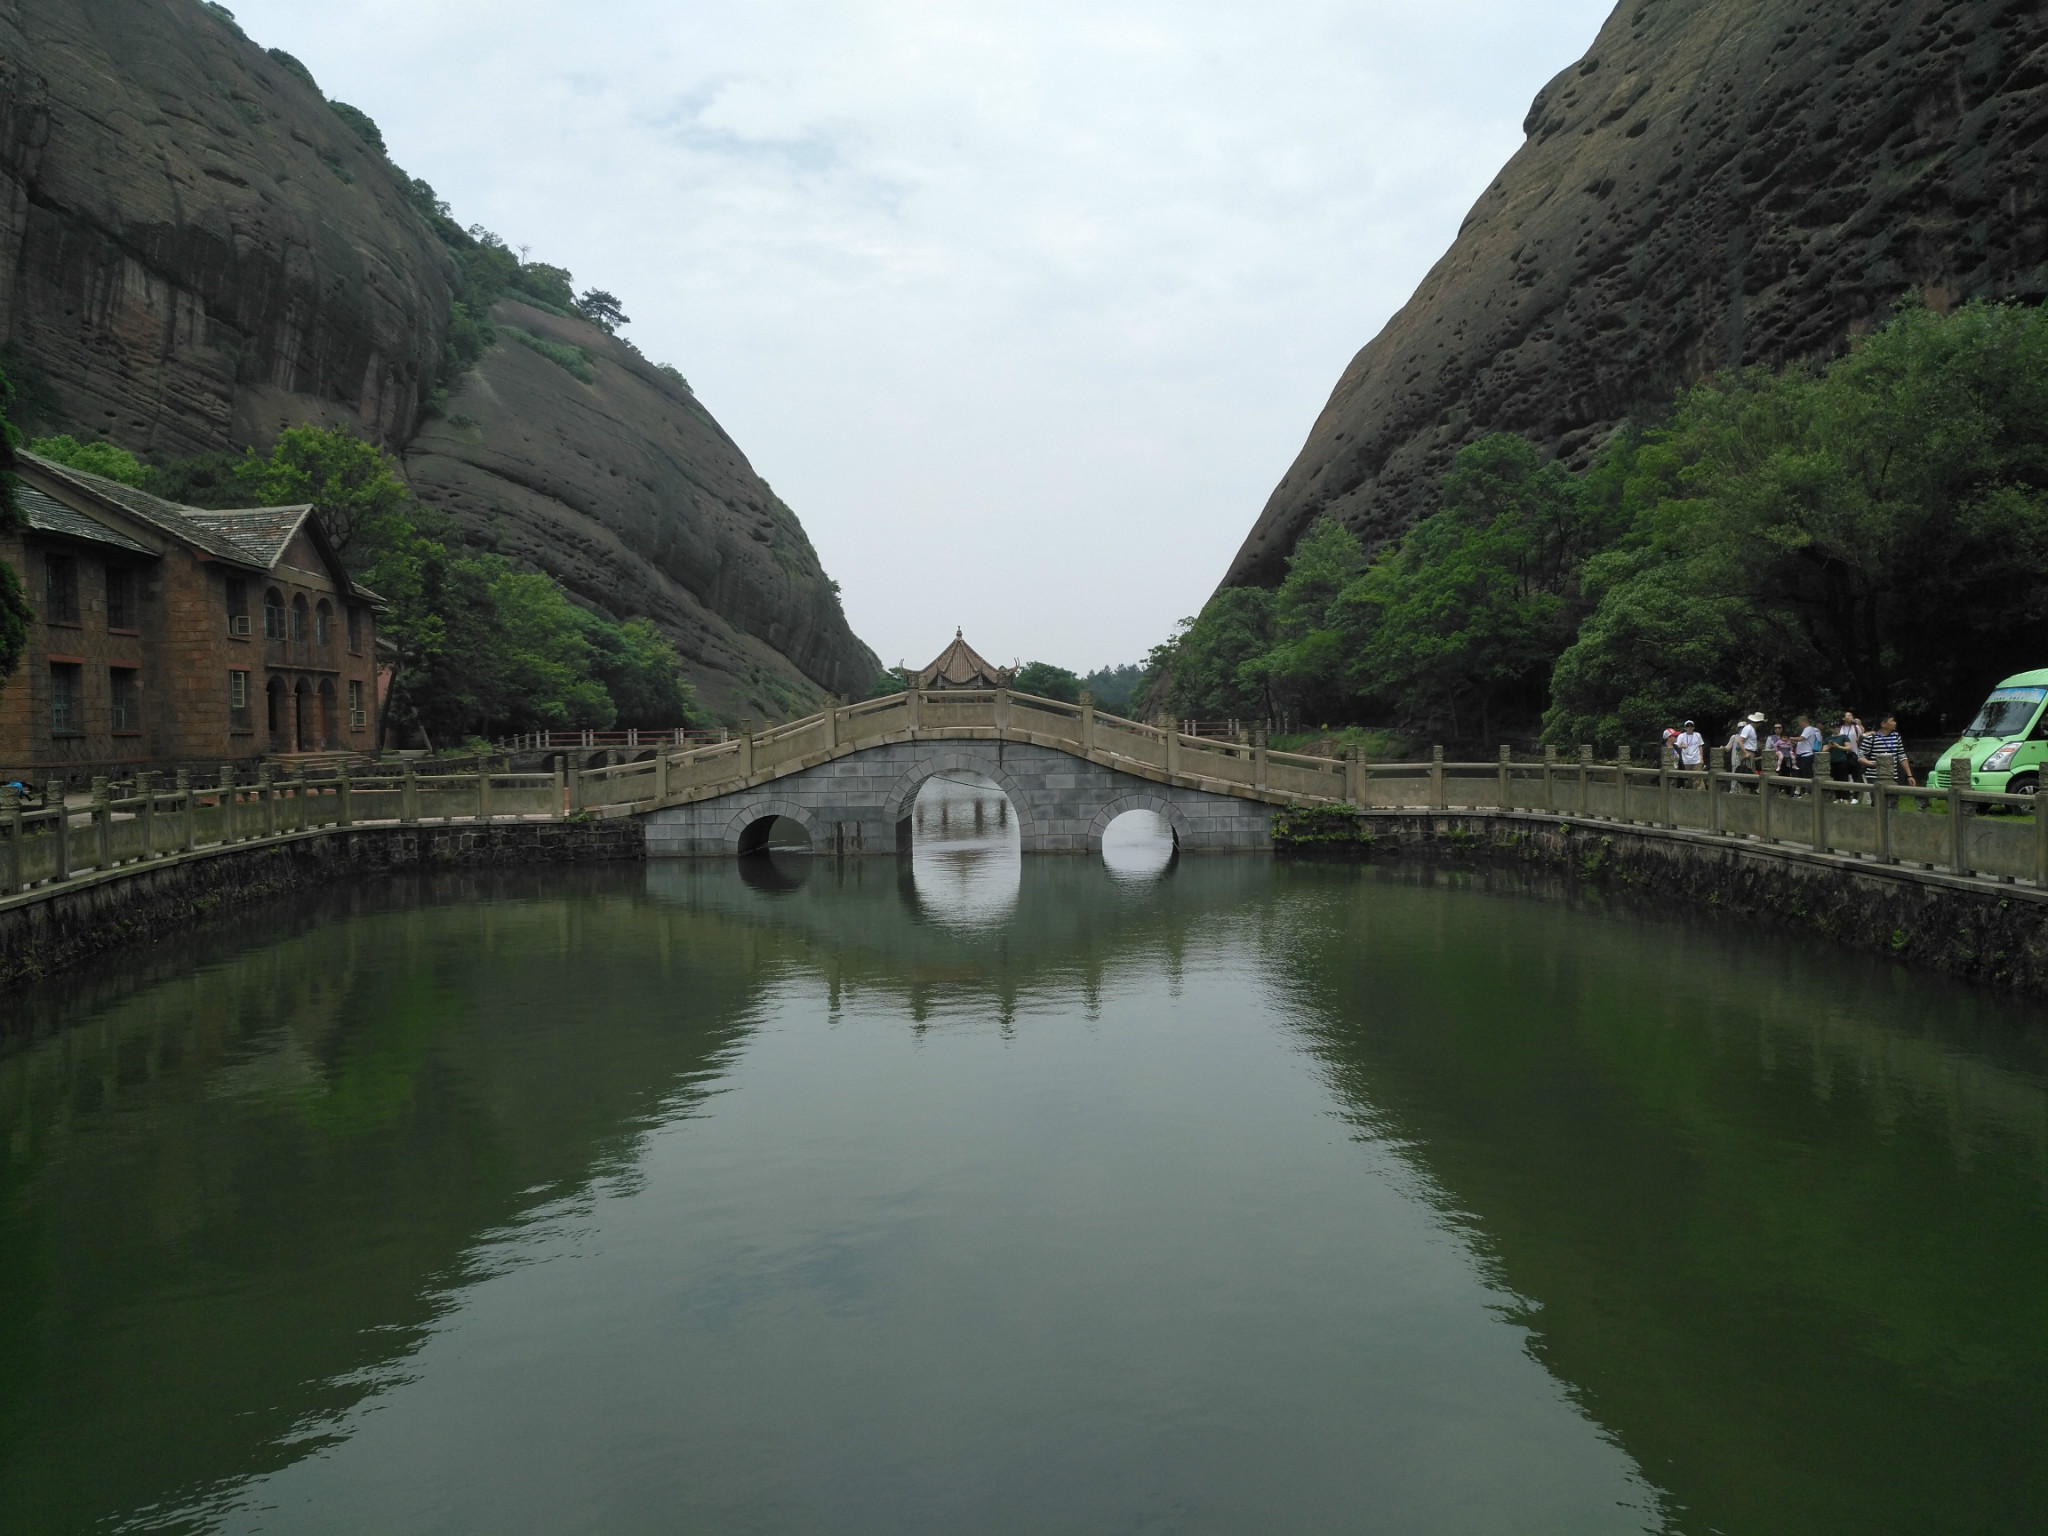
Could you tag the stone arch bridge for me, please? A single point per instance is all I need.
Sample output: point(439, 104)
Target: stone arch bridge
point(850, 776)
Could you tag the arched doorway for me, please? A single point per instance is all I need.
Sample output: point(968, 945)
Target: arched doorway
point(277, 707)
point(329, 733)
point(302, 717)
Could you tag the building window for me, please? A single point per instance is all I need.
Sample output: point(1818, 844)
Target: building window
point(124, 688)
point(323, 625)
point(238, 701)
point(67, 703)
point(355, 629)
point(357, 719)
point(60, 589)
point(238, 606)
point(273, 614)
point(298, 621)
point(120, 596)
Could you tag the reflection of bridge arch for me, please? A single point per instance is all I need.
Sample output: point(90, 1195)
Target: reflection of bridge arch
point(902, 798)
point(1140, 800)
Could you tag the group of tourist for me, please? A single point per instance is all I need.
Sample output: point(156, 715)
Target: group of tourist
point(1850, 752)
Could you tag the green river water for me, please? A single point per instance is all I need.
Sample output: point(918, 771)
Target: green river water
point(976, 1194)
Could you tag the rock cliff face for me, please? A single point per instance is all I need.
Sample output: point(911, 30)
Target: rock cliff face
point(196, 251)
point(625, 489)
point(1716, 183)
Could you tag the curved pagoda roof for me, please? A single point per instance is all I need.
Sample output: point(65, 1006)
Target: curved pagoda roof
point(959, 665)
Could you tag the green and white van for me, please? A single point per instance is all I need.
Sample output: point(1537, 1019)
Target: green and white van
point(2007, 742)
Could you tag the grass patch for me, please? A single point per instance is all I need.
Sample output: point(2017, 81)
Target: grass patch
point(571, 360)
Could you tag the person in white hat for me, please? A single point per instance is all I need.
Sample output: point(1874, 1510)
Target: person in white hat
point(1692, 747)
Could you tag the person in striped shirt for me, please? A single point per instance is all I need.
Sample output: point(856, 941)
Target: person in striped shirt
point(1886, 740)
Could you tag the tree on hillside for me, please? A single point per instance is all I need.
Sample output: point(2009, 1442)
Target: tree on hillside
point(1046, 681)
point(602, 310)
point(352, 484)
point(95, 458)
point(1875, 534)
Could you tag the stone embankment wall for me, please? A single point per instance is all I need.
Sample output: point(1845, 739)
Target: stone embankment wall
point(1977, 929)
point(58, 932)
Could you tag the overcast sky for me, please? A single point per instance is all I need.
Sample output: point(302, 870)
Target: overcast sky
point(1024, 308)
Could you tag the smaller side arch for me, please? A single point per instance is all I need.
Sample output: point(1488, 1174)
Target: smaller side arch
point(756, 812)
point(1139, 801)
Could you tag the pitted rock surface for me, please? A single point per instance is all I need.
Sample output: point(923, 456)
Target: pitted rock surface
point(628, 491)
point(1716, 183)
point(196, 252)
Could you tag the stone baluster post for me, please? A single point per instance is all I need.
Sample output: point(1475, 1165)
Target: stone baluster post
point(1881, 799)
point(1436, 777)
point(914, 700)
point(483, 786)
point(102, 825)
point(746, 740)
point(558, 806)
point(188, 818)
point(1820, 804)
point(1958, 815)
point(1355, 790)
point(661, 767)
point(1259, 755)
point(1002, 710)
point(53, 799)
point(1624, 765)
point(1713, 791)
point(1169, 728)
point(1087, 726)
point(145, 790)
point(10, 812)
point(342, 809)
point(1585, 776)
point(409, 797)
point(1550, 778)
point(225, 786)
point(831, 724)
point(1507, 799)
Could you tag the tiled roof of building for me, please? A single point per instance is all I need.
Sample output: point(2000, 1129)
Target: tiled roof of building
point(49, 516)
point(960, 666)
point(263, 531)
point(154, 510)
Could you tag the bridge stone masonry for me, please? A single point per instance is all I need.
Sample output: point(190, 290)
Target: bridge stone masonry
point(850, 778)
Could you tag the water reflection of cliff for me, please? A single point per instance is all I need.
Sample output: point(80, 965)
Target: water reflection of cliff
point(1775, 1216)
point(1780, 1216)
point(231, 1202)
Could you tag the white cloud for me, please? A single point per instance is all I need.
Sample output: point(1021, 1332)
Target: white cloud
point(1024, 308)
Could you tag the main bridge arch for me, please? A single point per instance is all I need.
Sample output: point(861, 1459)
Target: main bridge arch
point(944, 758)
point(856, 802)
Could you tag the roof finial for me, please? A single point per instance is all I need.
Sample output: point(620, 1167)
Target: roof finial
point(956, 631)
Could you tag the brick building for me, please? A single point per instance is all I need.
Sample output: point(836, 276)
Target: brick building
point(169, 636)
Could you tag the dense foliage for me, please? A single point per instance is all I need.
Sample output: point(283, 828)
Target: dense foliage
point(480, 648)
point(1872, 534)
point(1120, 689)
point(1043, 680)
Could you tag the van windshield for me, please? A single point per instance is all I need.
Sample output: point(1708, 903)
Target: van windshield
point(2007, 712)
